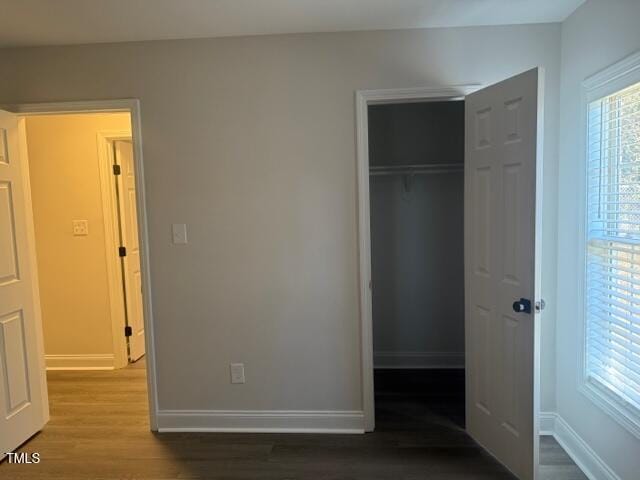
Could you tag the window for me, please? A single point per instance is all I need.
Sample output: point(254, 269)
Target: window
point(612, 336)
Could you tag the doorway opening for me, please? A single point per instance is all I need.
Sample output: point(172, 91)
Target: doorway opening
point(416, 191)
point(501, 141)
point(75, 178)
point(82, 175)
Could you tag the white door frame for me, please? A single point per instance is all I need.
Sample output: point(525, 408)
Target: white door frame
point(111, 219)
point(364, 98)
point(131, 106)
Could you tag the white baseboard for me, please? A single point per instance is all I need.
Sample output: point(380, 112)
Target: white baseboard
point(418, 360)
point(548, 423)
point(265, 421)
point(80, 362)
point(580, 452)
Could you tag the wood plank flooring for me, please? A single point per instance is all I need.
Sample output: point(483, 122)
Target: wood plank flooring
point(99, 430)
point(555, 463)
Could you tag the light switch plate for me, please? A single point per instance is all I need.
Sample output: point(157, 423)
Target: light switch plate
point(80, 228)
point(179, 233)
point(237, 372)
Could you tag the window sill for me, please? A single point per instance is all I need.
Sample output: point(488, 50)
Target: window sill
point(624, 414)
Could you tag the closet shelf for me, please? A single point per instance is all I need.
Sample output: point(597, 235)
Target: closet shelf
point(426, 169)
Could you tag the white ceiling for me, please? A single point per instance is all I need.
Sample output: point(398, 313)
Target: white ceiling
point(59, 22)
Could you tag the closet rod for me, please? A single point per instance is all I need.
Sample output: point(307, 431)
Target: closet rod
point(427, 169)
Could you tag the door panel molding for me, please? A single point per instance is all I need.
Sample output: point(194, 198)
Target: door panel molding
point(9, 268)
point(14, 362)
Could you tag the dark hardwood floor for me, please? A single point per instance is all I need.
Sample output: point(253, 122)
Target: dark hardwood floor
point(99, 430)
point(555, 463)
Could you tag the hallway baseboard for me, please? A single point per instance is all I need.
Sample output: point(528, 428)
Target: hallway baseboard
point(80, 362)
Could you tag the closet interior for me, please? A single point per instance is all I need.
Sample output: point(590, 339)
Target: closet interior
point(416, 159)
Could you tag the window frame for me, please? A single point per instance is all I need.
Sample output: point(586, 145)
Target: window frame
point(612, 79)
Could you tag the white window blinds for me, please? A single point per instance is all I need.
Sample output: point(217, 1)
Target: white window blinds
point(613, 245)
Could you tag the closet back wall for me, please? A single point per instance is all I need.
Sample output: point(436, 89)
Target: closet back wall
point(417, 236)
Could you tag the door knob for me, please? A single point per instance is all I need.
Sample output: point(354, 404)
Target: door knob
point(522, 306)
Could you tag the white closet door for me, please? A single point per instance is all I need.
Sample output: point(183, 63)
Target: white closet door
point(502, 232)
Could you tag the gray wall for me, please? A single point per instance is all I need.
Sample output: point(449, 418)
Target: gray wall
point(417, 236)
point(597, 35)
point(250, 142)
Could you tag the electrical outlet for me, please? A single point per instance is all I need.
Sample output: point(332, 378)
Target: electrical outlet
point(237, 372)
point(179, 233)
point(80, 228)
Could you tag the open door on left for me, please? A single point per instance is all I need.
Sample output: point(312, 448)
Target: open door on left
point(23, 394)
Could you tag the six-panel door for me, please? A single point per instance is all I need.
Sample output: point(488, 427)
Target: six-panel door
point(500, 235)
point(23, 396)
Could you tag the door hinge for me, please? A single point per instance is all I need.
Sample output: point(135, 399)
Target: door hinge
point(116, 169)
point(128, 331)
point(122, 251)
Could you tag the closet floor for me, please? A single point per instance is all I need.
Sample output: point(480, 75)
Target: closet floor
point(426, 409)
